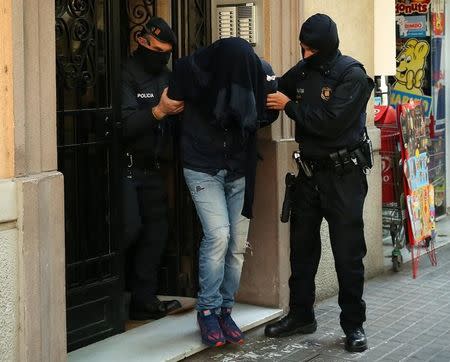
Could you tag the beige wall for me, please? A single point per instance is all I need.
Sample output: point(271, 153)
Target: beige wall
point(385, 39)
point(41, 266)
point(32, 276)
point(268, 261)
point(282, 23)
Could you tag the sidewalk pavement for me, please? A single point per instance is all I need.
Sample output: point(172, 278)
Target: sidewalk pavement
point(407, 320)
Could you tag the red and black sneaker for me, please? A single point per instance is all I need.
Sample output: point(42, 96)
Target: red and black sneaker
point(210, 330)
point(230, 330)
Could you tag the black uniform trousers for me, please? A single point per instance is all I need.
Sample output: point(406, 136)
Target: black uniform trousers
point(340, 200)
point(146, 231)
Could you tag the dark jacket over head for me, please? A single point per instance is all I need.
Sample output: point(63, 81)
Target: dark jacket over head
point(224, 87)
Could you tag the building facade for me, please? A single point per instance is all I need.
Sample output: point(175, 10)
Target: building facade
point(45, 163)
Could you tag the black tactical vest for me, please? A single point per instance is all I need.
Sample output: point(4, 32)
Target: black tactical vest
point(314, 86)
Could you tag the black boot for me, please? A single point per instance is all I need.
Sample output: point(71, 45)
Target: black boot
point(290, 325)
point(171, 305)
point(356, 340)
point(154, 309)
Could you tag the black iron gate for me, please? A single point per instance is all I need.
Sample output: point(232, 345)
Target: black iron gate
point(88, 116)
point(92, 37)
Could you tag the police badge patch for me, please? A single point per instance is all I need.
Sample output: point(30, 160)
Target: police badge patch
point(326, 93)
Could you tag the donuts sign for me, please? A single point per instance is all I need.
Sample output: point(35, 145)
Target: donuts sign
point(408, 7)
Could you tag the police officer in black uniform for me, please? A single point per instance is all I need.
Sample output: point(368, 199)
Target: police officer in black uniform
point(145, 108)
point(326, 95)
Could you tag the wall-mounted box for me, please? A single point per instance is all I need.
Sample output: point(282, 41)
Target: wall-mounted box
point(238, 19)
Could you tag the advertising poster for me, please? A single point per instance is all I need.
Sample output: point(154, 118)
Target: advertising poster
point(413, 26)
point(420, 192)
point(413, 73)
point(412, 7)
point(438, 17)
point(399, 97)
point(437, 171)
point(417, 171)
point(415, 130)
point(420, 76)
point(421, 211)
point(438, 82)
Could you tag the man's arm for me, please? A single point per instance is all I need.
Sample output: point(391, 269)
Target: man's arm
point(135, 120)
point(332, 117)
point(287, 83)
point(138, 120)
point(286, 91)
point(270, 86)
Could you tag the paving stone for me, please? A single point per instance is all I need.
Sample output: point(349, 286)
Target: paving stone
point(324, 358)
point(300, 356)
point(402, 338)
point(407, 320)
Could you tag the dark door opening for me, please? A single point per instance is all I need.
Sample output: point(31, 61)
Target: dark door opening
point(92, 39)
point(88, 121)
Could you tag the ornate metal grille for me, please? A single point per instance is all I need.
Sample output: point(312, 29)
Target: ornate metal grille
point(81, 46)
point(199, 20)
point(195, 31)
point(139, 12)
point(88, 105)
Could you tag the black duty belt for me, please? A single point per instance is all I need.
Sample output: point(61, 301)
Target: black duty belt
point(320, 164)
point(341, 161)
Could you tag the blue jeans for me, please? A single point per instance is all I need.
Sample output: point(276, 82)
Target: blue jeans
point(219, 205)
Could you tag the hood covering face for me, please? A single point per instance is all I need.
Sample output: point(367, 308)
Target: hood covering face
point(226, 79)
point(319, 32)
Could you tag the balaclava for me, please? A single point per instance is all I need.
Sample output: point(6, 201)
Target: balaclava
point(319, 32)
point(156, 61)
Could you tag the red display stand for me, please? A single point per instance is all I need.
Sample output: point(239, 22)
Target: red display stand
point(415, 141)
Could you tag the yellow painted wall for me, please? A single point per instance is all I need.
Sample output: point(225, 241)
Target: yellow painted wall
point(6, 91)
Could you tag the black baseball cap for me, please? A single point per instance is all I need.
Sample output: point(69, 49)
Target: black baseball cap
point(158, 28)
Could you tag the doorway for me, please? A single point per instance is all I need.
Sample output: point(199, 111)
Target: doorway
point(92, 39)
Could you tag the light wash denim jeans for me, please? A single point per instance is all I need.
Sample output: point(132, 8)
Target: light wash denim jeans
point(219, 206)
